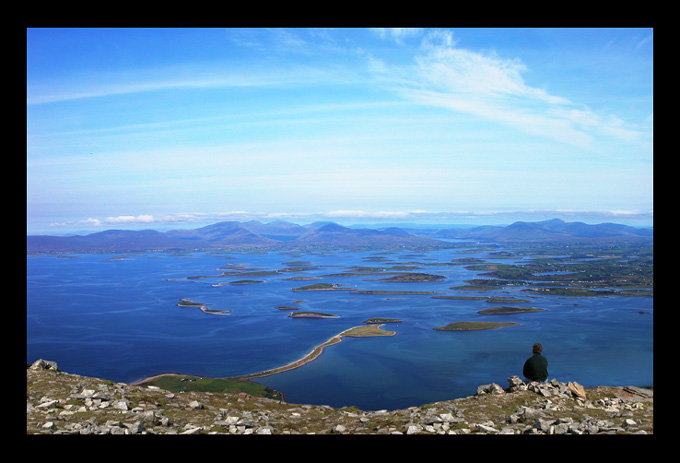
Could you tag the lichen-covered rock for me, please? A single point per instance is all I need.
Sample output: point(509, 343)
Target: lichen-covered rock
point(43, 365)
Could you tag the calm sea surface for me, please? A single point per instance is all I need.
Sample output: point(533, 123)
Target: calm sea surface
point(119, 320)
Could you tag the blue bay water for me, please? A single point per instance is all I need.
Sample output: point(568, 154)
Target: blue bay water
point(119, 320)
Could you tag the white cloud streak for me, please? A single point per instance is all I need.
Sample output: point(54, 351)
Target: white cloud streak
point(485, 85)
point(203, 76)
point(195, 219)
point(130, 219)
point(493, 88)
point(397, 34)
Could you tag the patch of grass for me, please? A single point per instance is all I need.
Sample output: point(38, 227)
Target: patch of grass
point(177, 383)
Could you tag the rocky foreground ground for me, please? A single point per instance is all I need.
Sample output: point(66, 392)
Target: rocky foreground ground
point(62, 403)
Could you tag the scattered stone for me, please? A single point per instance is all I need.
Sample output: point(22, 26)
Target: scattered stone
point(192, 430)
point(135, 428)
point(195, 405)
point(492, 388)
point(120, 405)
point(639, 391)
point(516, 384)
point(62, 403)
point(487, 429)
point(577, 390)
point(414, 429)
point(543, 425)
point(44, 365)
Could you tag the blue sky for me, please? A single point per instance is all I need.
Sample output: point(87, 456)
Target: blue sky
point(158, 128)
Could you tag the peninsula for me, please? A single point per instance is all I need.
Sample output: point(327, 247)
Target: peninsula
point(355, 332)
point(244, 383)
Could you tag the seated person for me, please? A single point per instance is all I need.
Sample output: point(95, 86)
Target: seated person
point(536, 367)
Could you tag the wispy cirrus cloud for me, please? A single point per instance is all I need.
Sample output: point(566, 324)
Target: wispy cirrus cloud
point(130, 219)
point(205, 75)
point(493, 88)
point(397, 34)
point(119, 220)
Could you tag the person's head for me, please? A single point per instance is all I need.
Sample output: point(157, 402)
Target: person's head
point(538, 348)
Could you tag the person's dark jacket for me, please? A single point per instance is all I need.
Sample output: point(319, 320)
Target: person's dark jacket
point(536, 368)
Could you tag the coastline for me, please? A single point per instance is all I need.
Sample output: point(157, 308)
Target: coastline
point(307, 358)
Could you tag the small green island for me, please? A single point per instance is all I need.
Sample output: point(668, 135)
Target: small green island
point(413, 278)
point(490, 299)
point(508, 310)
point(585, 292)
point(376, 320)
point(203, 307)
point(189, 303)
point(385, 292)
point(474, 326)
point(475, 288)
point(240, 282)
point(312, 315)
point(214, 311)
point(367, 332)
point(320, 287)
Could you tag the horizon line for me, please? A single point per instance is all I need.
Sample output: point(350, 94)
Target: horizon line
point(345, 218)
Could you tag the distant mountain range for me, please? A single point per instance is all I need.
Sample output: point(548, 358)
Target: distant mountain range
point(253, 234)
point(554, 230)
point(286, 235)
